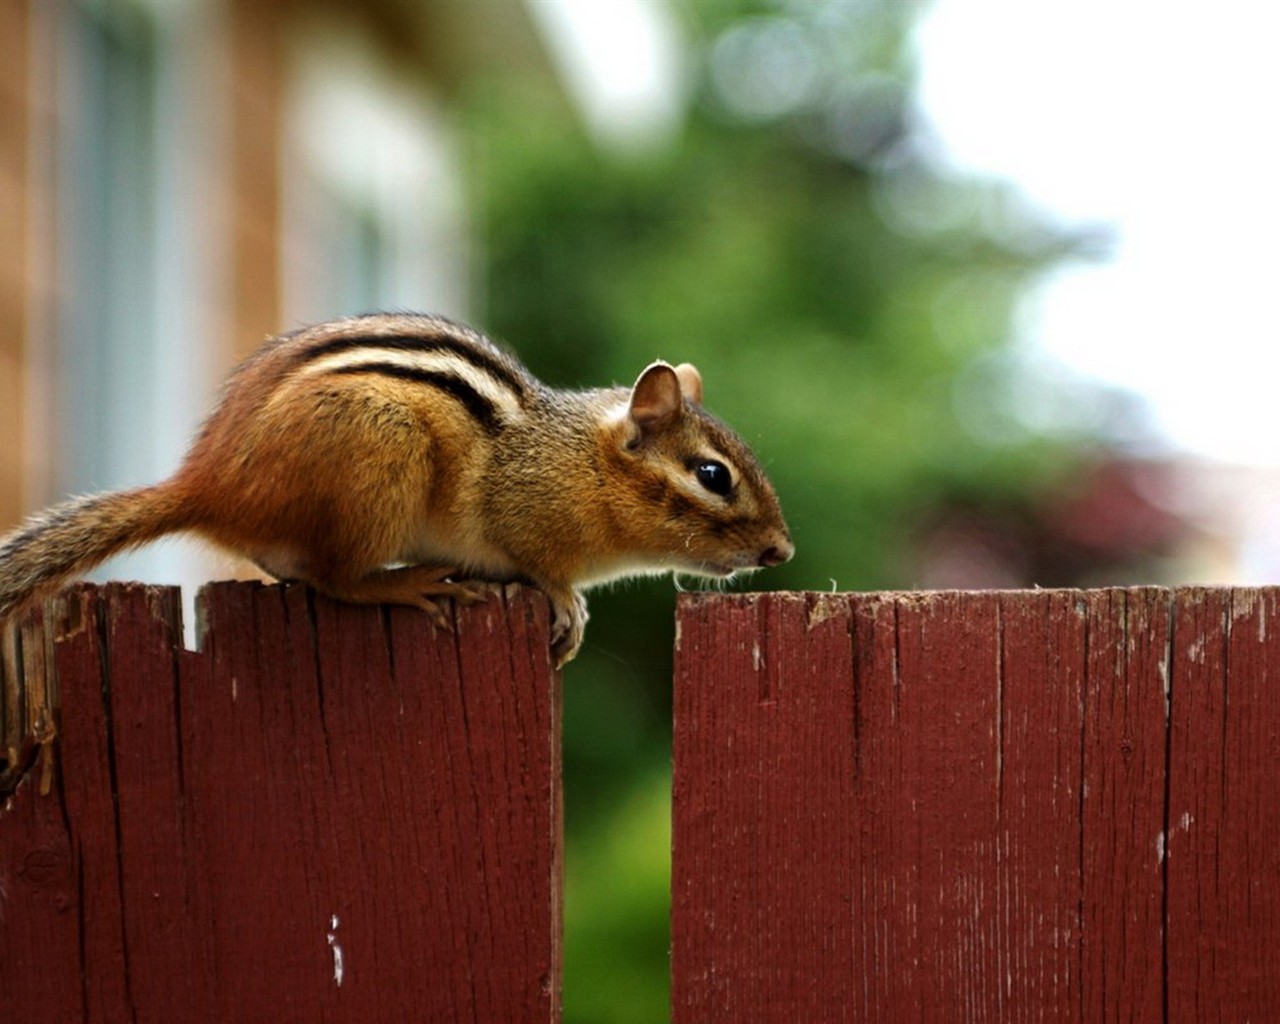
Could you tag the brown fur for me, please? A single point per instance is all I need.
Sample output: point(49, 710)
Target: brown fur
point(73, 537)
point(331, 458)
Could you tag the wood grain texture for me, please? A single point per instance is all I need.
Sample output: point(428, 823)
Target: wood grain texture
point(327, 814)
point(1223, 837)
point(1049, 805)
point(1123, 814)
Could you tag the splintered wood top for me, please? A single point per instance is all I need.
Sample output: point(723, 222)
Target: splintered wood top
point(328, 813)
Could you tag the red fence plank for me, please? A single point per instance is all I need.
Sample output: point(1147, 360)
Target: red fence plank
point(1035, 919)
point(1123, 812)
point(1224, 809)
point(946, 731)
point(143, 634)
point(767, 758)
point(1050, 805)
point(327, 814)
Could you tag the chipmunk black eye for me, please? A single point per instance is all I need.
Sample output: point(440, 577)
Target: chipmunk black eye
point(714, 476)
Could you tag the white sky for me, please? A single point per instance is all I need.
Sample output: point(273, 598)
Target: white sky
point(622, 62)
point(1158, 117)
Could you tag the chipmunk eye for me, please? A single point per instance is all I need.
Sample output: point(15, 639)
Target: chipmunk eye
point(714, 476)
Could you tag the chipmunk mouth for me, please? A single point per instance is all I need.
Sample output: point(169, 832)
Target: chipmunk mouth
point(714, 570)
point(718, 570)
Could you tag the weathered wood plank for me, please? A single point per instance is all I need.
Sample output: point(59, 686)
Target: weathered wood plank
point(946, 732)
point(39, 881)
point(877, 912)
point(772, 757)
point(1122, 815)
point(141, 635)
point(708, 901)
point(90, 814)
point(1036, 925)
point(1224, 809)
point(1060, 806)
point(327, 814)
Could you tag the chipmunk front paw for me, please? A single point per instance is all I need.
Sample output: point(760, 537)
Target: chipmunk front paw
point(568, 624)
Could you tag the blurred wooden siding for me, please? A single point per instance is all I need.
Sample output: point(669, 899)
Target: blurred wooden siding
point(28, 284)
point(15, 103)
point(256, 81)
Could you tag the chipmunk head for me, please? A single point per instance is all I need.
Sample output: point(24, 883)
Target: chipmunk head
point(706, 503)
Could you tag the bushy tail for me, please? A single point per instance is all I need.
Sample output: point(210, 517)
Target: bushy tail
point(68, 539)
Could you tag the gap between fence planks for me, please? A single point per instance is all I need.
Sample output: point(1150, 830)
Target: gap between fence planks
point(996, 806)
point(328, 813)
point(1048, 805)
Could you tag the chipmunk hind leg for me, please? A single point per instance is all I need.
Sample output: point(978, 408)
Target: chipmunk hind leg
point(352, 555)
point(319, 504)
point(414, 586)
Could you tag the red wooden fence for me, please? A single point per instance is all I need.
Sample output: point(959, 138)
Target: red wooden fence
point(916, 807)
point(327, 814)
point(978, 807)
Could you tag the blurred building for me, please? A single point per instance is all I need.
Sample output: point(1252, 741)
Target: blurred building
point(180, 180)
point(1110, 522)
point(1115, 521)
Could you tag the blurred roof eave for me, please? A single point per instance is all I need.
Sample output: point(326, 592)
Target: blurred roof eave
point(452, 40)
point(620, 64)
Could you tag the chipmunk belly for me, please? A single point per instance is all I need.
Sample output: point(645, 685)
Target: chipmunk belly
point(611, 570)
point(440, 542)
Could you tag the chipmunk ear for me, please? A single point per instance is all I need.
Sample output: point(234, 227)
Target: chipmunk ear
point(656, 401)
point(690, 382)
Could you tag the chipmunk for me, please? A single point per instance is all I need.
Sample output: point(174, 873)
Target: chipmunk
point(404, 458)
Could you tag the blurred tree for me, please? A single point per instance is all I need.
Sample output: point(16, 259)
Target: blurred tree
point(835, 286)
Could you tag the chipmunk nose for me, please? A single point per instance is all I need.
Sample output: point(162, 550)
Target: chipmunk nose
point(778, 553)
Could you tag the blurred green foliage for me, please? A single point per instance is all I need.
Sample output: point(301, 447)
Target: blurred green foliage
point(837, 291)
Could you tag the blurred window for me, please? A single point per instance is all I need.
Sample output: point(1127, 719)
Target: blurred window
point(106, 245)
point(373, 209)
point(135, 267)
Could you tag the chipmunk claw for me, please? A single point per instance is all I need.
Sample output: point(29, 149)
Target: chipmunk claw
point(416, 586)
point(439, 618)
point(461, 592)
point(470, 592)
point(568, 625)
